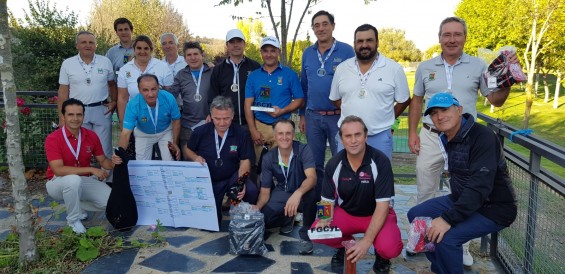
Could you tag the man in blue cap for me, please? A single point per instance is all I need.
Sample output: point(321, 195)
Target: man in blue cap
point(482, 198)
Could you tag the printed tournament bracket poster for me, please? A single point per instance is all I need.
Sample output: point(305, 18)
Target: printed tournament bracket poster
point(179, 194)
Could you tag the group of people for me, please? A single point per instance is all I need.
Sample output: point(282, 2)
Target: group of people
point(226, 115)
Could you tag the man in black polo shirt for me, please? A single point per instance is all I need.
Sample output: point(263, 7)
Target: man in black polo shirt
point(227, 150)
point(288, 178)
point(227, 83)
point(356, 176)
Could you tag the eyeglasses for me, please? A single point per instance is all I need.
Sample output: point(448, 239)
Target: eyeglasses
point(456, 35)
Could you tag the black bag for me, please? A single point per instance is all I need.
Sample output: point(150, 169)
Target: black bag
point(246, 233)
point(121, 210)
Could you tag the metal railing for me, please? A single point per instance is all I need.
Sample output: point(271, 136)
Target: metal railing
point(535, 241)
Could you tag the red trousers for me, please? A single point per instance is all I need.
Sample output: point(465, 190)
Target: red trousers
point(387, 243)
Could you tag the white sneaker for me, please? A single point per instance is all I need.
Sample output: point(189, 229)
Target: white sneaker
point(467, 257)
point(77, 227)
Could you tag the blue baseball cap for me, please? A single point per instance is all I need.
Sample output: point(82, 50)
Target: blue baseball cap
point(441, 100)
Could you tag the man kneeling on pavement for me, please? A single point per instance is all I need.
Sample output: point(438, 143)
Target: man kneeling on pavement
point(288, 180)
point(71, 177)
point(482, 199)
point(353, 178)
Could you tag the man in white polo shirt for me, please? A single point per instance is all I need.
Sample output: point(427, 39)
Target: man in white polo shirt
point(89, 77)
point(368, 86)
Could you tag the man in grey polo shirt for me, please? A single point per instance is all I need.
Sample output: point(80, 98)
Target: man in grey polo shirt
point(122, 52)
point(460, 74)
point(192, 85)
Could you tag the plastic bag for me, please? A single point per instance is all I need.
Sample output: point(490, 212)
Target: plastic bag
point(246, 230)
point(500, 73)
point(417, 240)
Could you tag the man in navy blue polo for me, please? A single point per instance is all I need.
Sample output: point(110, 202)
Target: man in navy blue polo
point(288, 178)
point(227, 150)
point(319, 116)
point(274, 87)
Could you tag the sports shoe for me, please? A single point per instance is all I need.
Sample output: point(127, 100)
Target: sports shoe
point(339, 257)
point(381, 266)
point(77, 227)
point(467, 257)
point(288, 228)
point(305, 247)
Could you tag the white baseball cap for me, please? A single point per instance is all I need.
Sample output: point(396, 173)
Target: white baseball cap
point(270, 40)
point(234, 33)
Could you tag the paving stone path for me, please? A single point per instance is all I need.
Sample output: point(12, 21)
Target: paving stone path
point(196, 251)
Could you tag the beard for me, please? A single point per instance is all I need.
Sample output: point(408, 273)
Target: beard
point(369, 56)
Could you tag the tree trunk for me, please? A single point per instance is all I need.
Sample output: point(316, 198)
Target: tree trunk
point(536, 86)
point(557, 87)
point(545, 88)
point(24, 221)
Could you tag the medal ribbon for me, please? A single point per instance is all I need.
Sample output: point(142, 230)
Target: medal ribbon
point(197, 82)
point(218, 145)
point(236, 73)
point(365, 77)
point(282, 165)
point(90, 66)
point(154, 121)
point(74, 152)
point(327, 56)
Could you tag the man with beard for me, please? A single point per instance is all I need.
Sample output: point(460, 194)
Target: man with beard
point(368, 86)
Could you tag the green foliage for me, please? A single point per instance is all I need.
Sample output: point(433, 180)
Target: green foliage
point(299, 47)
point(432, 52)
point(149, 17)
point(393, 44)
point(40, 44)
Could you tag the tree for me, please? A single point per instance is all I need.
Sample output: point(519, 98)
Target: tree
point(22, 207)
point(432, 52)
point(393, 44)
point(149, 17)
point(535, 27)
point(282, 22)
point(541, 13)
point(41, 42)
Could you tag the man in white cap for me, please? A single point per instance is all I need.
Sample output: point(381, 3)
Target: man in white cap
point(230, 75)
point(274, 87)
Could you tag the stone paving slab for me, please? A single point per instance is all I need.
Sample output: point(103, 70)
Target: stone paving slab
point(197, 251)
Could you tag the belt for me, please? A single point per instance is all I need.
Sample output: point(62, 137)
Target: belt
point(96, 104)
point(431, 129)
point(328, 112)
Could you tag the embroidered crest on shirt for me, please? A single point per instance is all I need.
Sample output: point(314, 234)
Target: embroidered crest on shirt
point(364, 177)
point(128, 74)
point(337, 60)
point(432, 76)
point(233, 148)
point(280, 81)
point(144, 119)
point(100, 71)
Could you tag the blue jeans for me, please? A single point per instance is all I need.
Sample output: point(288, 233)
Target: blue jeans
point(319, 129)
point(448, 254)
point(381, 141)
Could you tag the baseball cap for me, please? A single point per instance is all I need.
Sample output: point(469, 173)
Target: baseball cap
point(234, 33)
point(441, 100)
point(270, 40)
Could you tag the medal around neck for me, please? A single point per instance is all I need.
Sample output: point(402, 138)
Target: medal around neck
point(219, 162)
point(362, 93)
point(197, 97)
point(321, 72)
point(234, 87)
